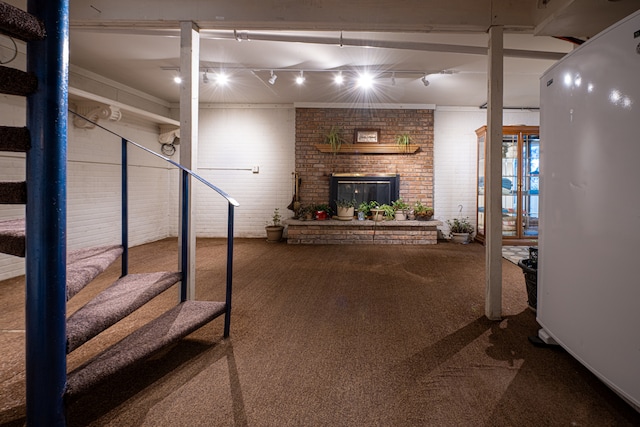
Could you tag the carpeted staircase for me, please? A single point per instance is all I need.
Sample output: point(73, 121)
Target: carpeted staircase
point(124, 296)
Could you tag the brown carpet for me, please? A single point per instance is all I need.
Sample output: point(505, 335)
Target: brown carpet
point(332, 336)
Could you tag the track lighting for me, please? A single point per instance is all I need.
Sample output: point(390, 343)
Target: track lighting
point(365, 81)
point(300, 78)
point(424, 80)
point(205, 77)
point(393, 79)
point(222, 79)
point(272, 79)
point(339, 78)
point(177, 79)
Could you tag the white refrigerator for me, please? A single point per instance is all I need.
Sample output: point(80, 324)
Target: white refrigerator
point(589, 241)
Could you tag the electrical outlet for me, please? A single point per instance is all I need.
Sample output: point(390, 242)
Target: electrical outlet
point(255, 169)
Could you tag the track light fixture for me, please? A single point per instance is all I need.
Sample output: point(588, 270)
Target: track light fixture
point(393, 78)
point(272, 79)
point(222, 78)
point(339, 78)
point(424, 80)
point(205, 77)
point(300, 78)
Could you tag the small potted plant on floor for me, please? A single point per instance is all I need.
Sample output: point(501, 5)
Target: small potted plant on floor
point(422, 212)
point(345, 209)
point(401, 209)
point(274, 228)
point(460, 230)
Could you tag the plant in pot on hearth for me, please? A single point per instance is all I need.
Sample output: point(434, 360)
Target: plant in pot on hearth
point(388, 211)
point(345, 208)
point(460, 230)
point(274, 228)
point(322, 211)
point(364, 209)
point(422, 212)
point(401, 208)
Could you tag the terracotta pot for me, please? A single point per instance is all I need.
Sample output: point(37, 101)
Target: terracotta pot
point(274, 233)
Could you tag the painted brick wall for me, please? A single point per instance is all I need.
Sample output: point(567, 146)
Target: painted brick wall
point(314, 168)
point(455, 158)
point(233, 139)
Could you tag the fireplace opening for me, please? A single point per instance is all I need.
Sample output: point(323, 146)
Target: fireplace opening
point(384, 188)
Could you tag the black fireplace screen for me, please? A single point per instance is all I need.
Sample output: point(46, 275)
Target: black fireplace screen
point(383, 188)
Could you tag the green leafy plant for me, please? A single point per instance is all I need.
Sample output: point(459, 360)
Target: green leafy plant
point(400, 205)
point(276, 218)
point(422, 212)
point(322, 207)
point(460, 225)
point(335, 139)
point(366, 207)
point(343, 203)
point(389, 211)
point(403, 140)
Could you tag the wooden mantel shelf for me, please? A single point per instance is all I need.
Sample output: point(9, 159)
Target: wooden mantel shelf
point(360, 148)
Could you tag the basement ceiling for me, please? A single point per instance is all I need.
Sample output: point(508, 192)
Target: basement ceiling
point(137, 44)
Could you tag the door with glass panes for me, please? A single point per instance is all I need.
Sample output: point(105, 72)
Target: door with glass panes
point(519, 189)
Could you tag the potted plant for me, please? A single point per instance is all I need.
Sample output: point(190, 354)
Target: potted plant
point(388, 211)
point(274, 228)
point(305, 213)
point(460, 230)
point(364, 209)
point(401, 209)
point(403, 140)
point(422, 212)
point(345, 208)
point(335, 139)
point(322, 211)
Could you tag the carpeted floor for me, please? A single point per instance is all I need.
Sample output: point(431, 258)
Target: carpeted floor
point(332, 335)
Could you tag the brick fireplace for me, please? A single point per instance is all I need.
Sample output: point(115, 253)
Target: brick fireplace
point(315, 168)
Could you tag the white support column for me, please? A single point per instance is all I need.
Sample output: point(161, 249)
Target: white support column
point(189, 71)
point(493, 178)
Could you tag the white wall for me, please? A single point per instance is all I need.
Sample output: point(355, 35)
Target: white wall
point(455, 157)
point(93, 193)
point(232, 140)
point(12, 168)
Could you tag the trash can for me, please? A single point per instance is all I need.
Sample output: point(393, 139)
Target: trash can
point(529, 267)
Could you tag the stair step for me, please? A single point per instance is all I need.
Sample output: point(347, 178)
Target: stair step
point(173, 325)
point(16, 82)
point(12, 237)
point(19, 24)
point(13, 193)
point(84, 265)
point(116, 302)
point(15, 139)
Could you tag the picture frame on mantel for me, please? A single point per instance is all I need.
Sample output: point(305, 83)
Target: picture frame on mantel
point(369, 136)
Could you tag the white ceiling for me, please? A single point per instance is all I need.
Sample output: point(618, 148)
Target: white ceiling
point(134, 43)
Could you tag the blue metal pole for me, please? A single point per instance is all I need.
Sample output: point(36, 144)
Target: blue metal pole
point(227, 317)
point(46, 217)
point(184, 245)
point(125, 211)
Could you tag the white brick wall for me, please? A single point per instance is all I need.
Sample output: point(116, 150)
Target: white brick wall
point(455, 158)
point(233, 140)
